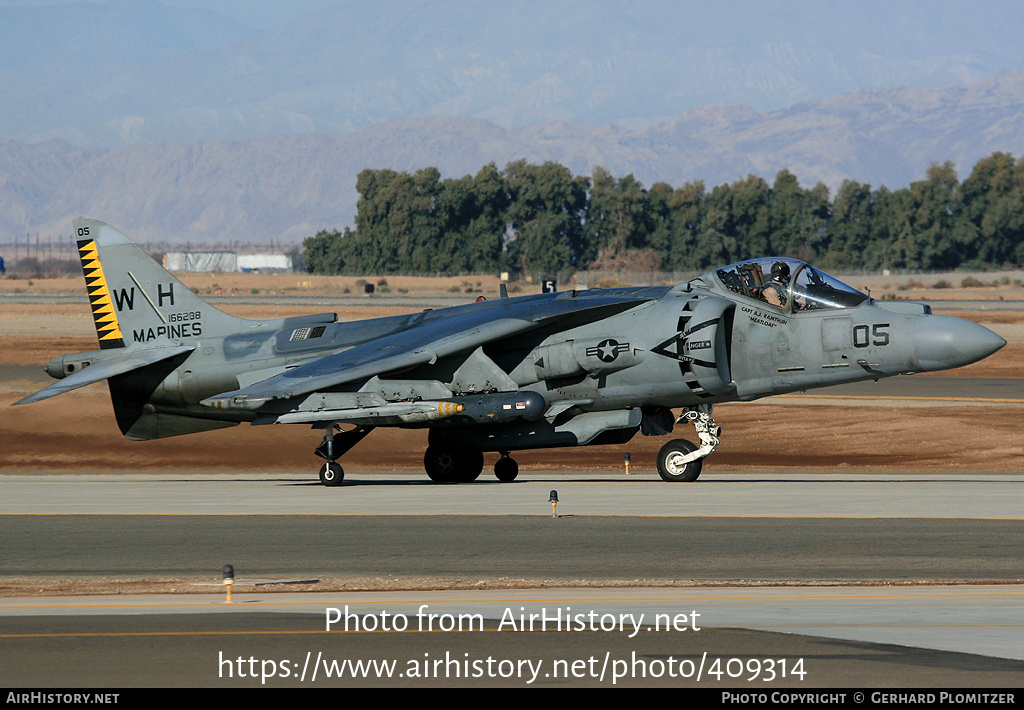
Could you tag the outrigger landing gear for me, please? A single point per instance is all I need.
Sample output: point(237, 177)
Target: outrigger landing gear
point(680, 460)
point(336, 442)
point(332, 474)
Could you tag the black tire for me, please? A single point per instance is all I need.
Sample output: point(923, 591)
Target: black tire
point(439, 463)
point(506, 469)
point(447, 465)
point(673, 472)
point(471, 465)
point(332, 474)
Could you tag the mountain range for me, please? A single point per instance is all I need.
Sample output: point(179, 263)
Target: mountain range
point(178, 124)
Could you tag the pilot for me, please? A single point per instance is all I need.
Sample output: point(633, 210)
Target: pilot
point(776, 291)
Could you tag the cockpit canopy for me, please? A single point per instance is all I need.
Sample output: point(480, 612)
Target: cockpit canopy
point(788, 285)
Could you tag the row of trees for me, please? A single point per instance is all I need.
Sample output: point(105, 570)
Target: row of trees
point(542, 219)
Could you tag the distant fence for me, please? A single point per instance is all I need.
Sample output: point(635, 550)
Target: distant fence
point(36, 253)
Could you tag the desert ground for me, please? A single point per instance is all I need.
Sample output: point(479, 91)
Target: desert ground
point(76, 431)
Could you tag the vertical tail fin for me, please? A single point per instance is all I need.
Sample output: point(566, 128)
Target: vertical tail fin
point(107, 326)
point(135, 301)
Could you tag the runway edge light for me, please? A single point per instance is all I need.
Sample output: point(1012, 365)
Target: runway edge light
point(553, 500)
point(229, 580)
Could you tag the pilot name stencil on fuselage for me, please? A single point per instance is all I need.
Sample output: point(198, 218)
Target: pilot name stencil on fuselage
point(765, 319)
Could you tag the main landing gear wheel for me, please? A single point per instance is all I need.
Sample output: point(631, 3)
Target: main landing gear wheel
point(671, 466)
point(449, 465)
point(506, 469)
point(331, 474)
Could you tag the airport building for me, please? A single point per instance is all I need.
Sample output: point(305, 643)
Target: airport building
point(226, 261)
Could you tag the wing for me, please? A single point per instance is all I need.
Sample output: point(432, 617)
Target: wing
point(444, 332)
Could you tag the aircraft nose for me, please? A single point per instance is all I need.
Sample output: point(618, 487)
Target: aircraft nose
point(944, 342)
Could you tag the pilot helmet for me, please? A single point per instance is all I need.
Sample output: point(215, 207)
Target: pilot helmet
point(780, 271)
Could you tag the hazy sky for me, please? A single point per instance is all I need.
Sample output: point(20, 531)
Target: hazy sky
point(259, 13)
point(712, 91)
point(307, 66)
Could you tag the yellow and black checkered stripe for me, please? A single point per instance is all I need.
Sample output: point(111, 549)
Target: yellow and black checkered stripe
point(99, 297)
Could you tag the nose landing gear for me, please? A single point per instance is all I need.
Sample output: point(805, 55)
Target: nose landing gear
point(680, 460)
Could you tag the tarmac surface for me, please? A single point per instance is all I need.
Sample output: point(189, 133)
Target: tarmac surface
point(750, 579)
point(809, 580)
point(756, 639)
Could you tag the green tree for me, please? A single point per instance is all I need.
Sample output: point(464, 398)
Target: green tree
point(324, 252)
point(659, 221)
point(546, 212)
point(926, 235)
point(716, 242)
point(799, 217)
point(544, 220)
point(850, 227)
point(683, 225)
point(750, 217)
point(993, 214)
point(617, 216)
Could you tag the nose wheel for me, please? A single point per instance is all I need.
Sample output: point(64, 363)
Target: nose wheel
point(680, 460)
point(674, 464)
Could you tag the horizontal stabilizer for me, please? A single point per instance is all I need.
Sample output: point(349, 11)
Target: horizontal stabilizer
point(104, 369)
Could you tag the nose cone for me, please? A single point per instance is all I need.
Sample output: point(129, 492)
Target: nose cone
point(943, 342)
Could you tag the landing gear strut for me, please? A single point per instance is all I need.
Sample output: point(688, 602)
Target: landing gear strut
point(680, 460)
point(336, 442)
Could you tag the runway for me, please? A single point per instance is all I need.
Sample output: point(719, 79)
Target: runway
point(766, 494)
point(756, 639)
point(837, 580)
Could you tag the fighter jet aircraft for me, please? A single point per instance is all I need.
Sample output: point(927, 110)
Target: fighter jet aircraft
point(557, 369)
